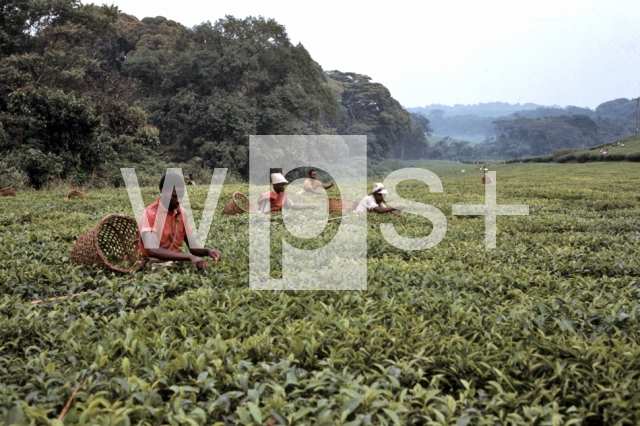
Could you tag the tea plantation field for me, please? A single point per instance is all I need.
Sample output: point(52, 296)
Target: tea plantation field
point(544, 330)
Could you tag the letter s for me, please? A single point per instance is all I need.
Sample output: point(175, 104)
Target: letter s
point(425, 210)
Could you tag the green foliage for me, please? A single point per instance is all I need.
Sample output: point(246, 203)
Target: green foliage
point(109, 89)
point(509, 132)
point(65, 113)
point(368, 109)
point(53, 43)
point(51, 133)
point(618, 108)
point(10, 175)
point(414, 144)
point(222, 82)
point(542, 330)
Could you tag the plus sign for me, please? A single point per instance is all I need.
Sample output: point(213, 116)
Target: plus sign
point(490, 210)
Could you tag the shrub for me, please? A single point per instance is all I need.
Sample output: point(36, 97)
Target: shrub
point(583, 157)
point(634, 157)
point(557, 153)
point(618, 156)
point(12, 175)
point(542, 159)
point(566, 158)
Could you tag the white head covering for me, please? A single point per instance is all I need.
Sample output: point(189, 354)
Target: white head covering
point(379, 188)
point(277, 178)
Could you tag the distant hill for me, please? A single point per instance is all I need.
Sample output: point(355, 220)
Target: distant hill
point(489, 109)
point(478, 122)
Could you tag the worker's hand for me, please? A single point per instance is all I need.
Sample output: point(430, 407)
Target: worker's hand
point(401, 207)
point(199, 262)
point(215, 255)
point(311, 207)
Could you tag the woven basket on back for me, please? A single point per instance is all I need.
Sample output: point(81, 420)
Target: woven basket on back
point(340, 205)
point(78, 194)
point(112, 244)
point(238, 204)
point(7, 192)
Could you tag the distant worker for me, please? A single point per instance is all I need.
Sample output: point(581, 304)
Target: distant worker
point(311, 184)
point(374, 202)
point(486, 178)
point(176, 229)
point(276, 199)
point(192, 180)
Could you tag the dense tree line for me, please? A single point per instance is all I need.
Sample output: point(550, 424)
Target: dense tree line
point(86, 89)
point(64, 110)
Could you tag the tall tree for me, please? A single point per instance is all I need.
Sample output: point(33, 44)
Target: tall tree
point(369, 104)
point(414, 144)
point(64, 109)
point(222, 82)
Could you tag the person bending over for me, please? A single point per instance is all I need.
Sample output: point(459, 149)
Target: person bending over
point(374, 202)
point(176, 229)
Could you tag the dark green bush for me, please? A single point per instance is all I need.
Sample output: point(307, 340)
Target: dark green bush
point(618, 156)
point(634, 157)
point(542, 159)
point(566, 158)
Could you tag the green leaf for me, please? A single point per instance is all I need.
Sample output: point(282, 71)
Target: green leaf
point(15, 416)
point(348, 407)
point(393, 416)
point(255, 412)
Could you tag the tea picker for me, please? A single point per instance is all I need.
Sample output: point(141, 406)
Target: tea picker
point(486, 179)
point(176, 229)
point(311, 184)
point(276, 199)
point(374, 202)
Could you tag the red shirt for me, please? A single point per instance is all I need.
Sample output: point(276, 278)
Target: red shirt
point(277, 200)
point(174, 231)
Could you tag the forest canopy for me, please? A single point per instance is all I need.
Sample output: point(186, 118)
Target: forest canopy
point(87, 89)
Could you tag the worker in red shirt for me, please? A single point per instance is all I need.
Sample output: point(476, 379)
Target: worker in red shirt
point(276, 199)
point(176, 229)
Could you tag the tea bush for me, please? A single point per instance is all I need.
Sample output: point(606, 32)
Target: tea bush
point(542, 330)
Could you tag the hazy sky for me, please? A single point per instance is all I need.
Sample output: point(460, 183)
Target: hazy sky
point(561, 52)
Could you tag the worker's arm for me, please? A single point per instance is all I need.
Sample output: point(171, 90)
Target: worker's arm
point(150, 239)
point(264, 206)
point(380, 209)
point(328, 186)
point(203, 251)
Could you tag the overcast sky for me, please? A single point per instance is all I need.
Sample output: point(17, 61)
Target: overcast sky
point(561, 52)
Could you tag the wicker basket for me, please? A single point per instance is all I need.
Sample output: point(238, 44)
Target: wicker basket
point(72, 194)
point(238, 204)
point(7, 192)
point(111, 245)
point(340, 205)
